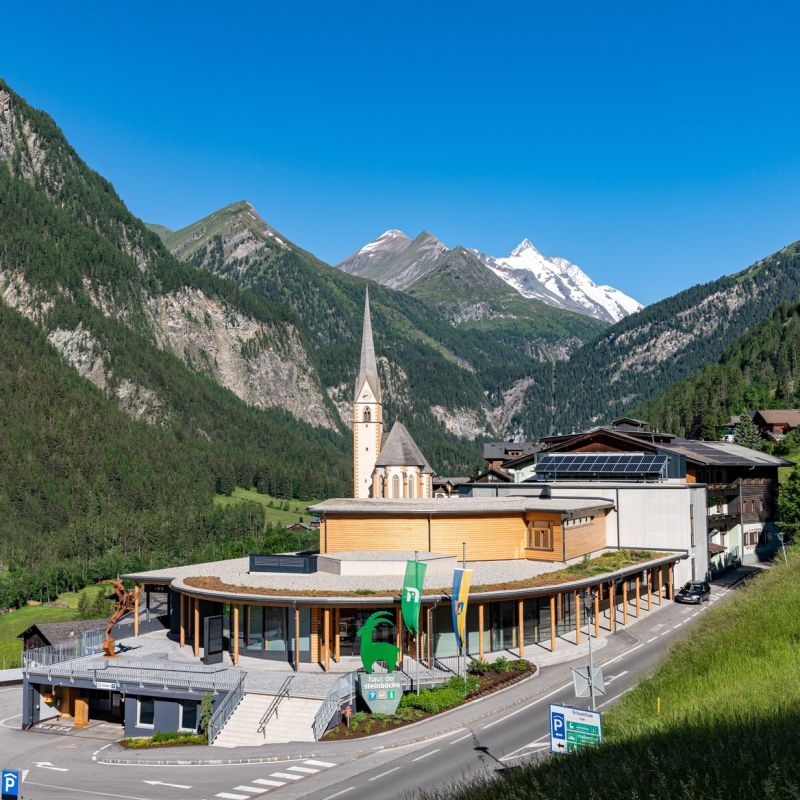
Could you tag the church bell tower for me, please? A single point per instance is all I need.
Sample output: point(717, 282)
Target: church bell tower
point(367, 413)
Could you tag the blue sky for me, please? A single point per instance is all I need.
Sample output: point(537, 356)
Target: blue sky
point(655, 145)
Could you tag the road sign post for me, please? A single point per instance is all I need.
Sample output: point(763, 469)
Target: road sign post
point(572, 728)
point(9, 782)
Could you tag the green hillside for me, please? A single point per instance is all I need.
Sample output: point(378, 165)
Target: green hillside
point(650, 351)
point(759, 370)
point(729, 725)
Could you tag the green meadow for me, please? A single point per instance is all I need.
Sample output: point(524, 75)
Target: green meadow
point(729, 721)
point(276, 511)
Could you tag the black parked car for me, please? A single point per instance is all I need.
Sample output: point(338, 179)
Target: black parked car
point(694, 592)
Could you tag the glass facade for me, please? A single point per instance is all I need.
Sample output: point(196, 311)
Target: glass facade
point(269, 632)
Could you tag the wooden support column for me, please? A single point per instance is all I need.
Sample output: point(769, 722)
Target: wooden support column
point(552, 623)
point(612, 608)
point(670, 586)
point(649, 589)
point(136, 609)
point(326, 630)
point(182, 626)
point(480, 631)
point(81, 714)
point(638, 594)
point(625, 601)
point(296, 639)
point(660, 587)
point(521, 627)
point(577, 605)
point(196, 627)
point(597, 614)
point(235, 634)
point(337, 638)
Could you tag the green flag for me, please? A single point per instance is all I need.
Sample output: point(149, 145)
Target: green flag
point(412, 594)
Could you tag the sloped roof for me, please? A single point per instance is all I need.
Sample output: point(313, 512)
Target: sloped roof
point(777, 416)
point(499, 451)
point(368, 368)
point(723, 454)
point(57, 632)
point(400, 450)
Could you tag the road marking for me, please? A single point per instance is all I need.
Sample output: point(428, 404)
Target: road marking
point(695, 614)
point(384, 774)
point(525, 708)
point(251, 789)
point(86, 791)
point(173, 785)
point(232, 796)
point(425, 755)
point(675, 627)
point(614, 677)
point(49, 765)
point(318, 763)
point(265, 782)
point(529, 751)
point(652, 640)
point(348, 789)
point(666, 633)
point(307, 770)
point(621, 655)
point(10, 727)
point(535, 743)
point(461, 738)
point(287, 775)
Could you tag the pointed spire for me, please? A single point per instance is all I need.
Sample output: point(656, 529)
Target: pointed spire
point(368, 370)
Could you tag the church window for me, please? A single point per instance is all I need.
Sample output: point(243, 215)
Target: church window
point(395, 486)
point(367, 415)
point(410, 485)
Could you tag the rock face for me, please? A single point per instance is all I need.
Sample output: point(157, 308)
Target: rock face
point(266, 366)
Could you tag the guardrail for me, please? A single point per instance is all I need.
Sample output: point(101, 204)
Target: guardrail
point(283, 693)
point(89, 644)
point(343, 690)
point(457, 665)
point(225, 709)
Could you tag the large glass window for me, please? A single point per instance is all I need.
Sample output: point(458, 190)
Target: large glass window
point(504, 632)
point(254, 630)
point(275, 629)
point(147, 712)
point(532, 629)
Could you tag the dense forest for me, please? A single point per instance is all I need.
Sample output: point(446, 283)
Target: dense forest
point(759, 370)
point(644, 354)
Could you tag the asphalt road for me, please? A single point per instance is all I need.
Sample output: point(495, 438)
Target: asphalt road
point(485, 737)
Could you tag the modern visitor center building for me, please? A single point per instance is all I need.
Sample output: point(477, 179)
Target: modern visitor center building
point(622, 531)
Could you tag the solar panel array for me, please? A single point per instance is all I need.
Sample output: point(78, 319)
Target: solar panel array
point(606, 465)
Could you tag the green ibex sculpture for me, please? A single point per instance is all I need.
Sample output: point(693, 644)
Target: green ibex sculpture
point(377, 651)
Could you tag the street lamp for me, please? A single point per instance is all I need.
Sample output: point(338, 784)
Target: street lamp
point(588, 607)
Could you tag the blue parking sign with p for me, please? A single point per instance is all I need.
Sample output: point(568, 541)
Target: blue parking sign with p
point(559, 729)
point(10, 783)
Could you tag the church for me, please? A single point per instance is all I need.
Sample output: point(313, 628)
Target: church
point(385, 466)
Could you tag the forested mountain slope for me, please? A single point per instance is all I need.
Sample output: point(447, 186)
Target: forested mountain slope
point(436, 375)
point(661, 345)
point(759, 370)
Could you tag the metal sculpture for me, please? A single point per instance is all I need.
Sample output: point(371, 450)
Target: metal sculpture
point(125, 601)
point(377, 651)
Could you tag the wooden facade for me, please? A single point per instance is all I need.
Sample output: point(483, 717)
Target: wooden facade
point(490, 537)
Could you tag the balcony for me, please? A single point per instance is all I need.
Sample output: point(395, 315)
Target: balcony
point(723, 488)
point(722, 520)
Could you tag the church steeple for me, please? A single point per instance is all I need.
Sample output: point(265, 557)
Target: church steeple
point(367, 413)
point(368, 369)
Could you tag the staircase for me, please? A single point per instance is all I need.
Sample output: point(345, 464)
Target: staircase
point(292, 721)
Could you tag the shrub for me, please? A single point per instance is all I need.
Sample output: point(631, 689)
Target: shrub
point(520, 665)
point(358, 717)
point(478, 668)
point(501, 665)
point(206, 712)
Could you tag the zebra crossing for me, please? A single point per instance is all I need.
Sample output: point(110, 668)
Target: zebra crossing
point(258, 786)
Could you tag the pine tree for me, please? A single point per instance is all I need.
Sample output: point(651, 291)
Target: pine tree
point(789, 503)
point(84, 606)
point(746, 433)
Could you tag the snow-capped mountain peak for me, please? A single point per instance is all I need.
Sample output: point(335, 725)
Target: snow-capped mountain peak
point(559, 282)
point(387, 240)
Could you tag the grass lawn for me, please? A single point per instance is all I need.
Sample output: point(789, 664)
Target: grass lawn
point(729, 725)
point(14, 622)
point(298, 509)
point(785, 472)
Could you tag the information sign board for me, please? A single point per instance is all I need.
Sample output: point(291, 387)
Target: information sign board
point(381, 691)
point(9, 782)
point(573, 728)
point(213, 640)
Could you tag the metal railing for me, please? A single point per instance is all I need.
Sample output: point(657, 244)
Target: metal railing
point(90, 643)
point(456, 665)
point(282, 694)
point(342, 691)
point(225, 709)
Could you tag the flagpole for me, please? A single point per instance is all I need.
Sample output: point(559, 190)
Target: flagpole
point(416, 576)
point(466, 631)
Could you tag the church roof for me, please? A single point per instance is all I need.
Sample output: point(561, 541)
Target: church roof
point(400, 450)
point(368, 369)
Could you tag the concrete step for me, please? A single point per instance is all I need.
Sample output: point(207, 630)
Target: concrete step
point(292, 723)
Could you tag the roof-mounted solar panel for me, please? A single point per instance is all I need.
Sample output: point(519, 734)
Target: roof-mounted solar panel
point(599, 466)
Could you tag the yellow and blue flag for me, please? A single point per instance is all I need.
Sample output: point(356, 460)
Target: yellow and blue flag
point(462, 578)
